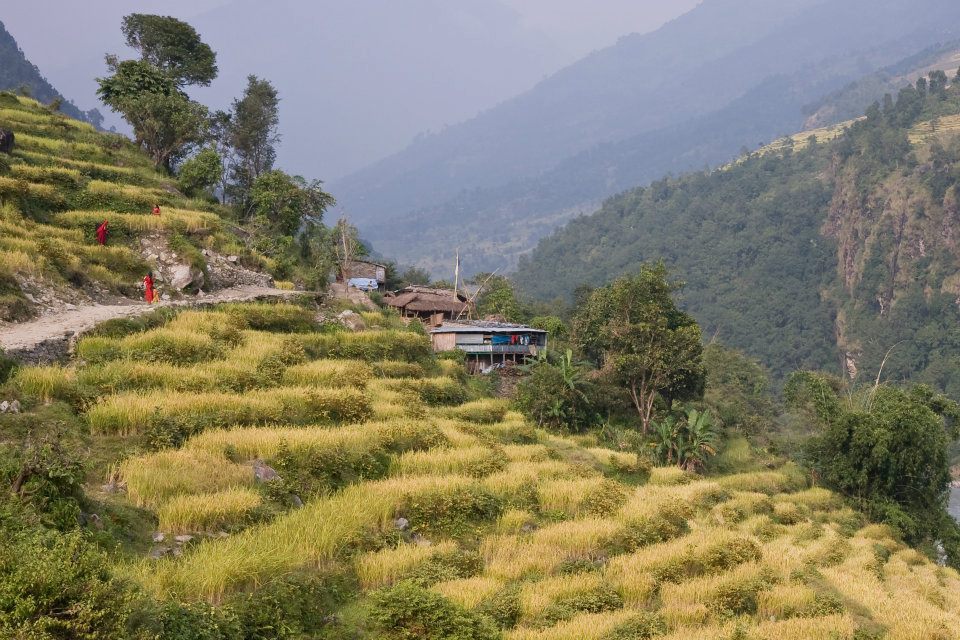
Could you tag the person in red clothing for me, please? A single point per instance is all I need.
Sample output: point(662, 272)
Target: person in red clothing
point(156, 209)
point(148, 293)
point(102, 233)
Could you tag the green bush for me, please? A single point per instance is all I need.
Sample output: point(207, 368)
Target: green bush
point(503, 607)
point(309, 471)
point(410, 612)
point(55, 586)
point(452, 513)
point(642, 626)
point(450, 565)
point(557, 396)
point(371, 346)
point(279, 317)
point(597, 600)
point(7, 365)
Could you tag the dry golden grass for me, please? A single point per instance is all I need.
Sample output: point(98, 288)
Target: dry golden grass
point(155, 478)
point(311, 535)
point(575, 497)
point(477, 461)
point(130, 413)
point(696, 600)
point(537, 596)
point(382, 568)
point(329, 373)
point(668, 476)
point(469, 592)
point(837, 627)
point(209, 511)
point(578, 537)
point(45, 382)
point(513, 521)
point(649, 500)
point(526, 452)
point(585, 626)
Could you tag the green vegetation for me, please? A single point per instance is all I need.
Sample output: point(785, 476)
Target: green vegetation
point(431, 513)
point(802, 258)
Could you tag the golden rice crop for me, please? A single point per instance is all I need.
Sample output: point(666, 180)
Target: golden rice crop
point(329, 373)
point(368, 345)
point(397, 369)
point(208, 511)
point(695, 600)
point(703, 551)
point(484, 411)
point(836, 627)
point(309, 535)
point(510, 557)
point(129, 413)
point(15, 262)
point(578, 537)
point(648, 500)
point(537, 596)
point(138, 223)
point(384, 567)
point(515, 521)
point(153, 479)
point(581, 496)
point(584, 626)
point(265, 442)
point(468, 592)
point(788, 478)
point(475, 461)
point(46, 382)
point(668, 476)
point(786, 601)
point(526, 452)
point(517, 483)
point(616, 459)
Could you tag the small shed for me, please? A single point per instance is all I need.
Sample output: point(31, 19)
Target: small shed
point(489, 343)
point(360, 274)
point(430, 305)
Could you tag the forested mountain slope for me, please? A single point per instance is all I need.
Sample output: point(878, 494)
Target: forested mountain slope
point(825, 256)
point(17, 71)
point(658, 87)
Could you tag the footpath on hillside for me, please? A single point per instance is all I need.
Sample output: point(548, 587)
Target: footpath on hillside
point(27, 340)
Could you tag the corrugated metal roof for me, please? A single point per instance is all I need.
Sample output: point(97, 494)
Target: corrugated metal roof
point(481, 326)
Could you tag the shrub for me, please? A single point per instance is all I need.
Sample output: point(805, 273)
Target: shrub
point(368, 345)
point(55, 585)
point(642, 626)
point(485, 411)
point(280, 317)
point(410, 612)
point(556, 395)
point(451, 512)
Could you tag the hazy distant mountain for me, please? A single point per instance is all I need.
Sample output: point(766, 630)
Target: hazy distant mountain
point(356, 78)
point(727, 74)
point(16, 71)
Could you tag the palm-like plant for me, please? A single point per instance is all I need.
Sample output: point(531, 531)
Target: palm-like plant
point(699, 440)
point(666, 441)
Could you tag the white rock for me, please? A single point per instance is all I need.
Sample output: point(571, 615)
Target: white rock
point(165, 296)
point(159, 537)
point(233, 258)
point(183, 538)
point(180, 276)
point(69, 307)
point(4, 406)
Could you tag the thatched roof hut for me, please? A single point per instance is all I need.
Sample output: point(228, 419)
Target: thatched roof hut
point(429, 304)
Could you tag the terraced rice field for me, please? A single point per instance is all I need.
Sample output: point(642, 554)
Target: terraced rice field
point(62, 180)
point(393, 471)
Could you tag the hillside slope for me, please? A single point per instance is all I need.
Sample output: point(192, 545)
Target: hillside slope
point(62, 179)
point(350, 485)
point(807, 256)
point(16, 71)
point(667, 82)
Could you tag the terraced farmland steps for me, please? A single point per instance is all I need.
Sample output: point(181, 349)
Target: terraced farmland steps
point(49, 338)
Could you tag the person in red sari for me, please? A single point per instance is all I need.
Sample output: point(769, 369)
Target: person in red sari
point(148, 293)
point(156, 209)
point(102, 233)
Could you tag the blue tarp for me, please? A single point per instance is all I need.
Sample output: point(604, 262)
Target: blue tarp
point(364, 284)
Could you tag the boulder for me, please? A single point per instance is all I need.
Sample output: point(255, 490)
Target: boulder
point(263, 472)
point(351, 320)
point(183, 539)
point(180, 276)
point(14, 407)
point(159, 536)
point(297, 502)
point(402, 524)
point(6, 141)
point(4, 406)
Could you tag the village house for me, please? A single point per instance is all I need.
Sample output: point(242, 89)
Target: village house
point(489, 343)
point(431, 306)
point(363, 275)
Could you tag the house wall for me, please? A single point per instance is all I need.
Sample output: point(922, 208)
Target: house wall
point(469, 338)
point(444, 341)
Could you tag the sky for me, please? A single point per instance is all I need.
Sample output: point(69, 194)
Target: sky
point(358, 79)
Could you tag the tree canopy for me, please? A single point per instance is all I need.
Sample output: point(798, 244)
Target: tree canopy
point(172, 46)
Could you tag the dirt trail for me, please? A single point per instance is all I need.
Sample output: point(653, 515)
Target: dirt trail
point(27, 336)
